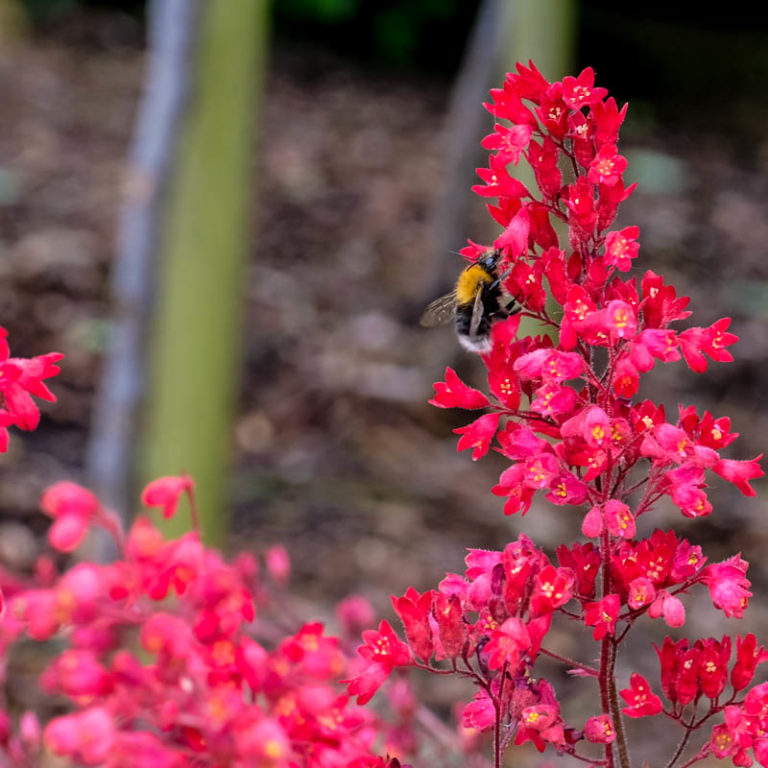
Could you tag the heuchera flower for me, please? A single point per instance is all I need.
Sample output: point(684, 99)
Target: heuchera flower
point(729, 586)
point(600, 730)
point(73, 508)
point(20, 380)
point(560, 411)
point(165, 492)
point(602, 616)
point(640, 699)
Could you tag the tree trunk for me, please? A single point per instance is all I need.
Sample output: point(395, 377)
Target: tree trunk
point(194, 362)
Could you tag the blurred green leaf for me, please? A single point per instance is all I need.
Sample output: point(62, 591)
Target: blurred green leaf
point(323, 10)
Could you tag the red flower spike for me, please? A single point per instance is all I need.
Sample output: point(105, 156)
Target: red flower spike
point(641, 700)
point(661, 305)
point(553, 112)
point(453, 393)
point(508, 105)
point(669, 658)
point(721, 742)
point(539, 717)
point(87, 737)
point(519, 497)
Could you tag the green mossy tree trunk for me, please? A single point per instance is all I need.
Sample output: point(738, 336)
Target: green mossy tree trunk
point(542, 30)
point(194, 350)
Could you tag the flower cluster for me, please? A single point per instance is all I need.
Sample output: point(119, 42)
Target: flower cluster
point(164, 663)
point(160, 654)
point(20, 379)
point(560, 408)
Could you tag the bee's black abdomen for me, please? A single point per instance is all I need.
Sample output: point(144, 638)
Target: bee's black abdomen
point(492, 310)
point(464, 321)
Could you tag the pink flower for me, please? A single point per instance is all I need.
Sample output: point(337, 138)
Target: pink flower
point(264, 741)
point(355, 613)
point(621, 247)
point(507, 643)
point(729, 586)
point(278, 563)
point(73, 508)
point(641, 593)
point(383, 646)
point(480, 713)
point(165, 492)
point(86, 737)
point(740, 473)
point(599, 729)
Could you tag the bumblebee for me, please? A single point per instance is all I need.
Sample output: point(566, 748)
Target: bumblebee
point(474, 304)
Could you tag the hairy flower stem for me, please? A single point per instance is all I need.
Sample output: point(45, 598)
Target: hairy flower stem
point(605, 699)
point(607, 650)
point(680, 747)
point(498, 752)
point(615, 710)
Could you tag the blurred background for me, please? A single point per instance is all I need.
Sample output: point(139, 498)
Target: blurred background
point(350, 131)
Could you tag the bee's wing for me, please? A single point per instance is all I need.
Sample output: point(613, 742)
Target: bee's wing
point(439, 312)
point(477, 312)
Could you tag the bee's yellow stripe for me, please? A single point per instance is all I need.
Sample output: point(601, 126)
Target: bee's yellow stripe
point(469, 281)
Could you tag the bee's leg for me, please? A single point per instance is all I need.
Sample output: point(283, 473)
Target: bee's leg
point(497, 282)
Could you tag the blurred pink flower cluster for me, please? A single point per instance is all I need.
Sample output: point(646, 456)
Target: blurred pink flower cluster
point(163, 662)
